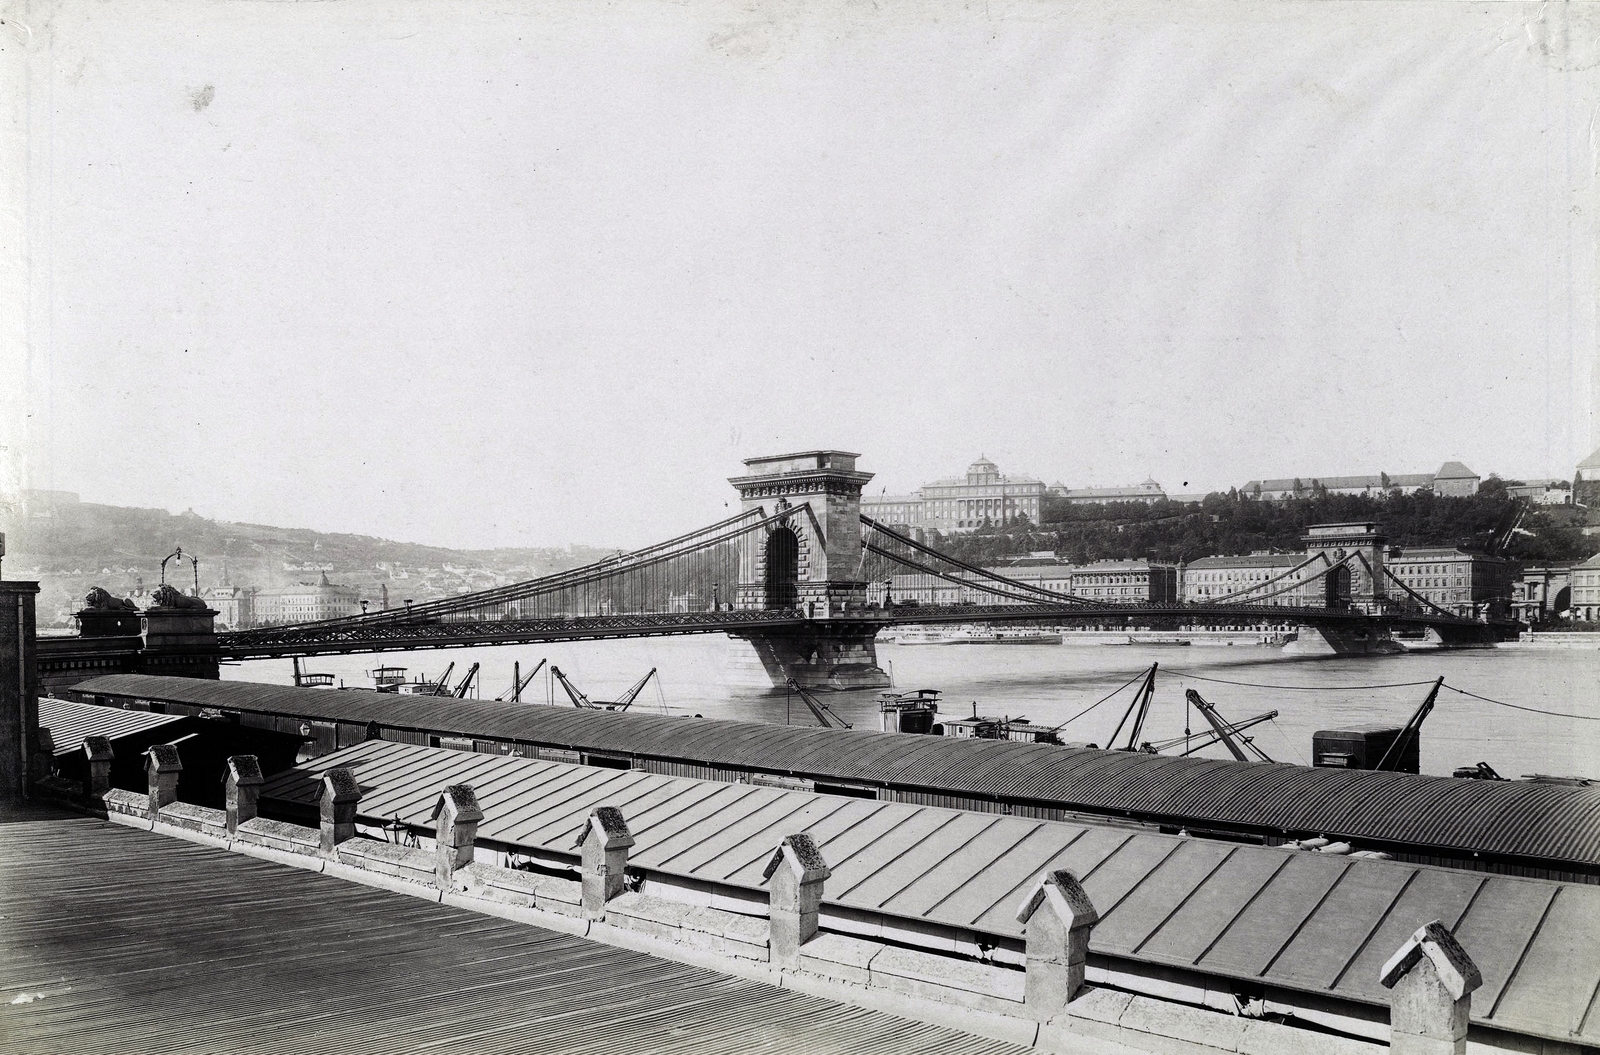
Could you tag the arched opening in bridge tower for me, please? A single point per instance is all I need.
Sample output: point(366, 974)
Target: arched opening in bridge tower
point(1338, 586)
point(783, 568)
point(1563, 600)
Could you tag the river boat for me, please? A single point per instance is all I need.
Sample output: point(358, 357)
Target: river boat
point(943, 635)
point(1170, 642)
point(1026, 637)
point(387, 679)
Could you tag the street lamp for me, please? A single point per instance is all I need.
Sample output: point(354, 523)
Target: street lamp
point(178, 553)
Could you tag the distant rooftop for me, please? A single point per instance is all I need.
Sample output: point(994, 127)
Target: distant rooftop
point(1454, 471)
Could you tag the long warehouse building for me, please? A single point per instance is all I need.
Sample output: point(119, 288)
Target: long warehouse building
point(1510, 827)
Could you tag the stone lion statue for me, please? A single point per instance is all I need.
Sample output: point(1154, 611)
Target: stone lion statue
point(168, 597)
point(101, 600)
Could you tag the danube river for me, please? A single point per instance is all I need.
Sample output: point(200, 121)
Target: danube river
point(713, 676)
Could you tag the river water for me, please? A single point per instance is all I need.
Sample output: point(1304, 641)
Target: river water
point(712, 675)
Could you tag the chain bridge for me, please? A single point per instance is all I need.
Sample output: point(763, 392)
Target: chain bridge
point(809, 581)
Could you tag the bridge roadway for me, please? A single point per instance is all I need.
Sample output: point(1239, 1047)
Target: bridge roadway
point(361, 636)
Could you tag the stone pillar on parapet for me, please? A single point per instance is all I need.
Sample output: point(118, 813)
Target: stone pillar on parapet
point(1431, 980)
point(337, 799)
point(603, 853)
point(795, 874)
point(99, 756)
point(241, 787)
point(162, 768)
point(1057, 917)
point(456, 817)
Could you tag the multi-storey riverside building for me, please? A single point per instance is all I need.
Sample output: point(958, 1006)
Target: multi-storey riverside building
point(1466, 584)
point(306, 602)
point(1261, 578)
point(1586, 590)
point(1125, 581)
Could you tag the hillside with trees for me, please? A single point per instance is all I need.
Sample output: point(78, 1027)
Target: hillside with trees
point(71, 547)
point(1232, 525)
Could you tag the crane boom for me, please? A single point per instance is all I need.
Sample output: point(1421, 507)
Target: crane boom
point(821, 711)
point(466, 682)
point(581, 699)
point(628, 697)
point(518, 683)
point(1228, 733)
point(1191, 744)
point(442, 688)
point(1137, 710)
point(576, 695)
point(1412, 727)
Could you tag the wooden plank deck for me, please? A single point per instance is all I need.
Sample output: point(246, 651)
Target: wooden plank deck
point(120, 941)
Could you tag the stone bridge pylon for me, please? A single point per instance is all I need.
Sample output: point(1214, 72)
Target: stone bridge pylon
point(810, 560)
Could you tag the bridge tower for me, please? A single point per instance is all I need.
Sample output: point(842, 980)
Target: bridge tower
point(1356, 583)
point(810, 561)
point(1359, 583)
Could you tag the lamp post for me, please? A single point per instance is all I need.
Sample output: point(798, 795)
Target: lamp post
point(178, 553)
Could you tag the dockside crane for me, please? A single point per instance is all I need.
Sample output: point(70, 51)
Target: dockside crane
point(1229, 734)
point(580, 699)
point(442, 687)
point(466, 683)
point(821, 711)
point(1138, 710)
point(518, 682)
point(1409, 732)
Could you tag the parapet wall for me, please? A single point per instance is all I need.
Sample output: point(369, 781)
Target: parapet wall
point(1044, 992)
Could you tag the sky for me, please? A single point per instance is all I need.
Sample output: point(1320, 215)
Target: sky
point(480, 274)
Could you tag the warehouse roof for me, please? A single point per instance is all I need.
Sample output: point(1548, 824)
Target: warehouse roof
point(119, 940)
point(1546, 822)
point(70, 722)
point(1305, 921)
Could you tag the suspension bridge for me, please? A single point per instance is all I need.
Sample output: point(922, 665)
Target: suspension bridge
point(808, 580)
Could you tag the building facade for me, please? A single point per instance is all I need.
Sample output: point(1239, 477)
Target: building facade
point(1462, 583)
point(960, 505)
point(1121, 582)
point(234, 605)
point(1542, 492)
point(306, 602)
point(1542, 593)
point(1126, 581)
point(1586, 590)
point(1453, 478)
point(1283, 579)
point(1148, 492)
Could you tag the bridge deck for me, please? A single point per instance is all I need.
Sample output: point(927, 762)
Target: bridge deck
point(396, 635)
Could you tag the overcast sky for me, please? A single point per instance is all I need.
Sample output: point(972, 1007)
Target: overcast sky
point(528, 274)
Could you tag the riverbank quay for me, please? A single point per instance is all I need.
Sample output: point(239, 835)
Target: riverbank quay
point(1508, 827)
point(1562, 639)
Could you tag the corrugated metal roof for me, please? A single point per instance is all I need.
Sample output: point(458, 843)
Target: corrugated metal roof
point(70, 722)
point(1304, 921)
point(119, 941)
point(1552, 823)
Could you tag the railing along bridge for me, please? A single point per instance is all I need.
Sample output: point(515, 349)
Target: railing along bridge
point(739, 576)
